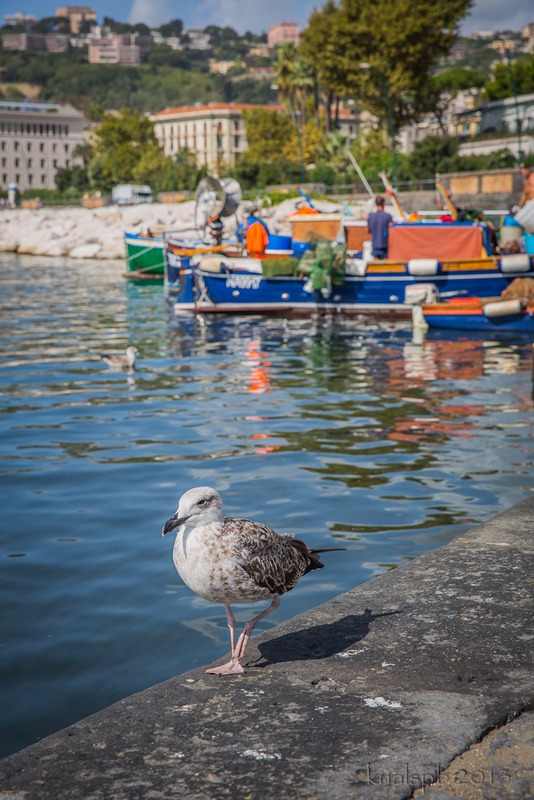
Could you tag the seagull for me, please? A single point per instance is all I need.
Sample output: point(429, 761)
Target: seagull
point(230, 560)
point(122, 362)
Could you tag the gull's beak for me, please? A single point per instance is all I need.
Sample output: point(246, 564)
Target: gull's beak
point(172, 524)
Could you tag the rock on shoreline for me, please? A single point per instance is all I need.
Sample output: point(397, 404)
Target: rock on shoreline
point(98, 233)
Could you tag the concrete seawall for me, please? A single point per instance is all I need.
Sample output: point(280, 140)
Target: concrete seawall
point(417, 683)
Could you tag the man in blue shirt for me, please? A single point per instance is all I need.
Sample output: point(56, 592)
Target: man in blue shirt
point(378, 224)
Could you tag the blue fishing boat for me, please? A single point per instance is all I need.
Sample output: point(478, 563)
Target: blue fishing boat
point(424, 260)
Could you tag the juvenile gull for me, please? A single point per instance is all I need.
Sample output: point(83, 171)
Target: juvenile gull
point(229, 560)
point(122, 362)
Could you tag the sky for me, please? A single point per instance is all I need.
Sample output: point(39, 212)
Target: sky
point(257, 15)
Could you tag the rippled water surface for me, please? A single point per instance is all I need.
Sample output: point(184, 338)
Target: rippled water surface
point(338, 432)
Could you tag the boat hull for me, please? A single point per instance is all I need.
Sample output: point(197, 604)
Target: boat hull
point(145, 256)
point(382, 291)
point(470, 316)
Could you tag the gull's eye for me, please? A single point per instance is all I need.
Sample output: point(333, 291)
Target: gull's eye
point(202, 502)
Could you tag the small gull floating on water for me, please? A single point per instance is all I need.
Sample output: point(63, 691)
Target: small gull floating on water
point(230, 560)
point(126, 361)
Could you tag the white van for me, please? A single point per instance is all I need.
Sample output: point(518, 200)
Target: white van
point(128, 193)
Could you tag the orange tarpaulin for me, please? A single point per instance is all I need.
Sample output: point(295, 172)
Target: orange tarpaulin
point(444, 242)
point(257, 239)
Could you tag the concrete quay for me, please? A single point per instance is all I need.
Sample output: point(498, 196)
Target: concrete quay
point(419, 683)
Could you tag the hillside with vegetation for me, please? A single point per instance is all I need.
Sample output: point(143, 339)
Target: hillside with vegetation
point(166, 76)
point(369, 56)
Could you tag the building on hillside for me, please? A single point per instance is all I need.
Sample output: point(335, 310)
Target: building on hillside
point(76, 16)
point(215, 133)
point(36, 139)
point(50, 42)
point(481, 128)
point(105, 47)
point(505, 46)
point(527, 33)
point(196, 39)
point(259, 51)
point(110, 51)
point(220, 67)
point(509, 115)
point(282, 32)
point(19, 20)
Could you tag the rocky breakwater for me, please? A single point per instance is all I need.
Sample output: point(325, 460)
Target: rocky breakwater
point(86, 233)
point(98, 233)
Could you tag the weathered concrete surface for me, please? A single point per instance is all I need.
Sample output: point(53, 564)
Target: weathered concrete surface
point(421, 677)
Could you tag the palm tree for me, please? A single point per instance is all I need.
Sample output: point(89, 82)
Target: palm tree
point(286, 55)
point(303, 86)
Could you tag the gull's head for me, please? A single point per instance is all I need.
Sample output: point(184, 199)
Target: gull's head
point(198, 506)
point(131, 353)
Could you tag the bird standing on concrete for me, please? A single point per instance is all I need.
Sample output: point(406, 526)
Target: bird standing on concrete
point(229, 560)
point(126, 361)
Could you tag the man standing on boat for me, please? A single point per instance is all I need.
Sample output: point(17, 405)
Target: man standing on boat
point(378, 223)
point(528, 189)
point(525, 215)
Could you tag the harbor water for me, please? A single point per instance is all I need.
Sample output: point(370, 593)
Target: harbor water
point(344, 433)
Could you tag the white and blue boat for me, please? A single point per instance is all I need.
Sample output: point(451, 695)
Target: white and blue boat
point(425, 259)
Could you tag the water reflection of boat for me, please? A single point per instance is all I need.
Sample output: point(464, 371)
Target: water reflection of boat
point(301, 280)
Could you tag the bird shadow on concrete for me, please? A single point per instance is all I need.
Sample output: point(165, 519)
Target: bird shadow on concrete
point(318, 641)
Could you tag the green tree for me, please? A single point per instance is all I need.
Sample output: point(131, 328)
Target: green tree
point(402, 42)
point(53, 25)
point(511, 78)
point(267, 133)
point(432, 155)
point(75, 178)
point(319, 45)
point(120, 144)
point(172, 28)
point(334, 151)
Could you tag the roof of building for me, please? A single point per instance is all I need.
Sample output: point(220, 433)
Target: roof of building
point(37, 108)
point(213, 107)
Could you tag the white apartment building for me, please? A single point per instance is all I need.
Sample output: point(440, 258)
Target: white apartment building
point(36, 139)
point(215, 133)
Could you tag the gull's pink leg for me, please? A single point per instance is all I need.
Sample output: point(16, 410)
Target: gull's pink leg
point(249, 627)
point(231, 624)
point(234, 666)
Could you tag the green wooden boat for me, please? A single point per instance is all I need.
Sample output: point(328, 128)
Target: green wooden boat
point(145, 257)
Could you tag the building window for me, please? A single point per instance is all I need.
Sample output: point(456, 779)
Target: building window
point(43, 179)
point(16, 145)
point(29, 147)
point(29, 162)
point(42, 163)
point(17, 162)
point(30, 180)
point(41, 147)
point(236, 142)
